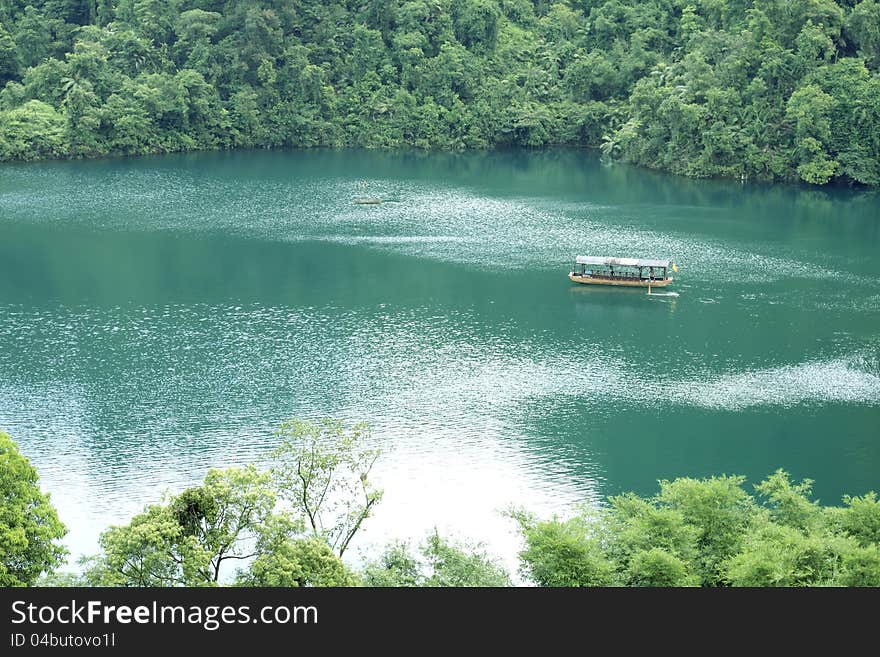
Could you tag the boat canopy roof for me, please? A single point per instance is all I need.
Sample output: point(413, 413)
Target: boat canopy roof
point(621, 262)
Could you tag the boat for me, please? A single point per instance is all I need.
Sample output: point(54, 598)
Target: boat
point(629, 272)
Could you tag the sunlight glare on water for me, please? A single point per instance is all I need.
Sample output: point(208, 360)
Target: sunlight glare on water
point(161, 316)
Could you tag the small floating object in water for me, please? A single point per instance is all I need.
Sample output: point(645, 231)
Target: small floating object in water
point(370, 200)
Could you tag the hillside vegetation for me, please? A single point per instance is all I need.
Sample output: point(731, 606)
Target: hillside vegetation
point(763, 89)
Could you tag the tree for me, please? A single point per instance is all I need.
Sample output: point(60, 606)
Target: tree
point(650, 546)
point(709, 532)
point(298, 562)
point(863, 25)
point(776, 555)
point(31, 131)
point(656, 567)
point(453, 565)
point(194, 29)
point(441, 563)
point(187, 539)
point(80, 108)
point(8, 57)
point(33, 38)
point(789, 502)
point(861, 567)
point(225, 513)
point(397, 566)
point(860, 519)
point(564, 553)
point(719, 510)
point(30, 530)
point(322, 470)
point(809, 108)
point(476, 23)
point(151, 550)
point(232, 517)
point(126, 122)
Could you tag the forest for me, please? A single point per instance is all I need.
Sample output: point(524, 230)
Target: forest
point(746, 89)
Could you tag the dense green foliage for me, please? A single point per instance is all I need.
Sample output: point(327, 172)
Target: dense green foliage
point(297, 562)
point(761, 89)
point(442, 563)
point(29, 526)
point(186, 539)
point(709, 532)
point(694, 532)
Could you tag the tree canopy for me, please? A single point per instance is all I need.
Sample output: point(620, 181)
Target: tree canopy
point(288, 527)
point(186, 539)
point(29, 526)
point(440, 562)
point(285, 526)
point(709, 532)
point(758, 89)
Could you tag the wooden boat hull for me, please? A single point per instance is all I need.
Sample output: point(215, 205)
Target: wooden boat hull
point(589, 280)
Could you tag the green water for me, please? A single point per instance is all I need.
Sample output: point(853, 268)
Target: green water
point(160, 316)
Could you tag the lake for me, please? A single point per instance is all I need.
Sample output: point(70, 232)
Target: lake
point(160, 316)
